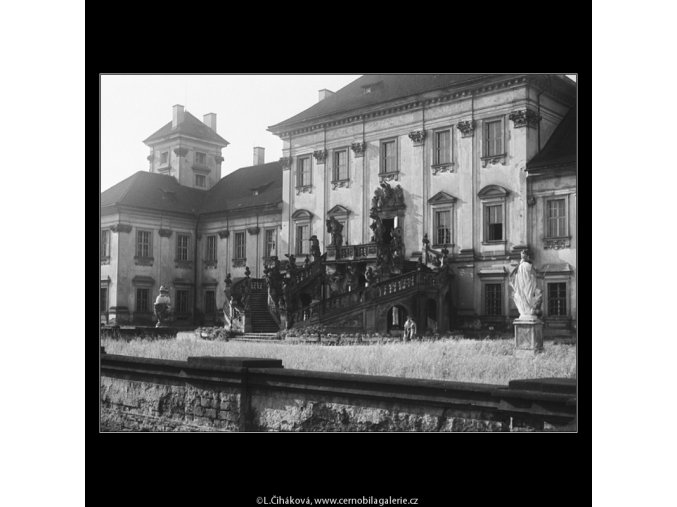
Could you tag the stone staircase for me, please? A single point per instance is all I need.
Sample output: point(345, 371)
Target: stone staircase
point(261, 320)
point(257, 337)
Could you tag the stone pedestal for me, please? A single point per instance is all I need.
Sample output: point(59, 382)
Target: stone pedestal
point(528, 337)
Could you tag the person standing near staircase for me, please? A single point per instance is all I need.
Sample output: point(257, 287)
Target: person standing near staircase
point(409, 329)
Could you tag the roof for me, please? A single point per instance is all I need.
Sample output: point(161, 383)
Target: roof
point(560, 150)
point(161, 192)
point(153, 191)
point(190, 126)
point(236, 190)
point(385, 87)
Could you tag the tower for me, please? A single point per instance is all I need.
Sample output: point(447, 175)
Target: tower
point(188, 149)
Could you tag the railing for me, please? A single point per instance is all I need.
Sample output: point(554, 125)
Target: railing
point(257, 284)
point(353, 252)
point(234, 318)
point(306, 272)
point(278, 317)
point(396, 285)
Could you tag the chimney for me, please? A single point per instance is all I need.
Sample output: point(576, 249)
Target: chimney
point(177, 116)
point(324, 93)
point(210, 121)
point(259, 155)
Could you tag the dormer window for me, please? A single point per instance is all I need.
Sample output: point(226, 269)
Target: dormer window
point(371, 88)
point(200, 158)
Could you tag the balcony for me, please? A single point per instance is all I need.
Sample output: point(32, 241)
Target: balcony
point(367, 251)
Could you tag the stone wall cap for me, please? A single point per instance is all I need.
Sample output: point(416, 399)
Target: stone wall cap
point(550, 385)
point(241, 362)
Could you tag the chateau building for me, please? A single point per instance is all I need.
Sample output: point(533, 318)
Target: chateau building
point(419, 190)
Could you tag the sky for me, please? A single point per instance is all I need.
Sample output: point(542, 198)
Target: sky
point(134, 106)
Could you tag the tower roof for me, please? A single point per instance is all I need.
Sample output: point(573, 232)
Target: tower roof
point(190, 126)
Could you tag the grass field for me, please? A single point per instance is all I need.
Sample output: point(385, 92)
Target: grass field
point(486, 361)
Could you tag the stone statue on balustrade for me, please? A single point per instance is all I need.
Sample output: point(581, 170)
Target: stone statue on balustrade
point(335, 228)
point(315, 248)
point(228, 291)
point(291, 265)
point(526, 294)
point(378, 230)
point(162, 307)
point(246, 288)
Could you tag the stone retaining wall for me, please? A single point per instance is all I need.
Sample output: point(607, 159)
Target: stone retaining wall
point(249, 394)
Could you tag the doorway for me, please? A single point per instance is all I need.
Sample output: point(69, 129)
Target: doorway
point(431, 315)
point(395, 318)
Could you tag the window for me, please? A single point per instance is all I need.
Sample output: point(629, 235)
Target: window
point(557, 299)
point(105, 243)
point(182, 247)
point(389, 156)
point(303, 173)
point(443, 226)
point(211, 248)
point(493, 138)
point(104, 300)
point(142, 300)
point(493, 299)
point(556, 219)
point(340, 165)
point(143, 244)
point(240, 246)
point(271, 245)
point(182, 301)
point(210, 301)
point(494, 222)
point(442, 147)
point(200, 180)
point(200, 158)
point(164, 157)
point(302, 237)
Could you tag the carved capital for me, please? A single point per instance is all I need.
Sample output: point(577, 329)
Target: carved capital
point(531, 201)
point(497, 159)
point(121, 228)
point(143, 261)
point(556, 243)
point(150, 157)
point(524, 118)
point(303, 190)
point(417, 136)
point(385, 177)
point(285, 162)
point(181, 152)
point(218, 159)
point(466, 127)
point(224, 233)
point(320, 156)
point(165, 233)
point(340, 183)
point(105, 259)
point(442, 168)
point(358, 149)
point(253, 231)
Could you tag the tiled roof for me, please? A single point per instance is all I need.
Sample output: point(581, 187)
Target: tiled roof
point(560, 150)
point(384, 87)
point(190, 126)
point(154, 191)
point(236, 190)
point(160, 192)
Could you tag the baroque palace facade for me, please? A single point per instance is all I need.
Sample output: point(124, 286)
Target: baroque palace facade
point(436, 182)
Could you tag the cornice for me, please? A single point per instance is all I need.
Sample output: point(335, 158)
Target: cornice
point(391, 108)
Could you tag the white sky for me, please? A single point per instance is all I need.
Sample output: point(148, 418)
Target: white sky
point(135, 106)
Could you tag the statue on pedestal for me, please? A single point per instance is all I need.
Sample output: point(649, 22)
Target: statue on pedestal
point(527, 295)
point(315, 248)
point(162, 307)
point(334, 228)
